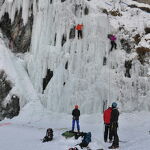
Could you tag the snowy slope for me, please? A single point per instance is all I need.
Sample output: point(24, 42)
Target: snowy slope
point(133, 132)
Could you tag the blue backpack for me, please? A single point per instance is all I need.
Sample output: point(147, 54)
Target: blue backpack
point(87, 138)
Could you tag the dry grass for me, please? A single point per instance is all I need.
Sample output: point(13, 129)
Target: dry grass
point(142, 51)
point(115, 13)
point(137, 39)
point(146, 9)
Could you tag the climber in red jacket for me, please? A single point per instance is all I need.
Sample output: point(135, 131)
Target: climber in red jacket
point(79, 28)
point(106, 117)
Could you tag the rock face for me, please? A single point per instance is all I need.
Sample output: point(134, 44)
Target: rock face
point(5, 85)
point(143, 1)
point(19, 35)
point(11, 108)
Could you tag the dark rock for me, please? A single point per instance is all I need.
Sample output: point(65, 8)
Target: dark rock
point(104, 60)
point(55, 39)
point(64, 39)
point(5, 85)
point(72, 33)
point(128, 65)
point(48, 77)
point(125, 45)
point(18, 33)
point(66, 65)
point(86, 11)
point(12, 108)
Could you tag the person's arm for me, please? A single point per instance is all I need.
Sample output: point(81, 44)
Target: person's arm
point(73, 113)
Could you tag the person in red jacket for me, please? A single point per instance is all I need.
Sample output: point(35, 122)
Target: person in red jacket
point(107, 117)
point(79, 28)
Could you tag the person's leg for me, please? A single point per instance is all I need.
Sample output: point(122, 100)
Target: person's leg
point(110, 134)
point(106, 133)
point(73, 123)
point(81, 35)
point(78, 126)
point(112, 45)
point(116, 138)
point(78, 34)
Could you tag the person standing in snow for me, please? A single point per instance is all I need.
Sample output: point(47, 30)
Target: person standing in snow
point(113, 43)
point(75, 114)
point(114, 126)
point(106, 118)
point(79, 28)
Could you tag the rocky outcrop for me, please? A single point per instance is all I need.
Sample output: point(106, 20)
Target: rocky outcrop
point(143, 1)
point(5, 85)
point(19, 35)
point(12, 108)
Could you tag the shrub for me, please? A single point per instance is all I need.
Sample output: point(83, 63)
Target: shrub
point(115, 13)
point(141, 53)
point(147, 30)
point(137, 39)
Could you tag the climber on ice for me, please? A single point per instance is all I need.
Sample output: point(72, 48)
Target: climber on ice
point(79, 28)
point(113, 43)
point(75, 114)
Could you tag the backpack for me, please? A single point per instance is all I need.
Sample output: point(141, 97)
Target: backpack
point(86, 140)
point(78, 134)
point(49, 135)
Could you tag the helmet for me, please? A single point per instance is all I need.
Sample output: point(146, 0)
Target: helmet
point(114, 104)
point(76, 106)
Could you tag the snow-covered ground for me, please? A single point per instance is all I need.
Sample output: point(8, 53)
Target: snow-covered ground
point(20, 135)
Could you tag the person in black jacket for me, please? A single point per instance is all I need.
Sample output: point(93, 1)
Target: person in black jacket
point(114, 126)
point(75, 114)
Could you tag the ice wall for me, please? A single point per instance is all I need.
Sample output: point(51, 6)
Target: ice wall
point(81, 82)
point(85, 81)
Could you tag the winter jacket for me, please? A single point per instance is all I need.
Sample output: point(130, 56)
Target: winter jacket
point(79, 27)
point(107, 115)
point(112, 38)
point(76, 114)
point(114, 115)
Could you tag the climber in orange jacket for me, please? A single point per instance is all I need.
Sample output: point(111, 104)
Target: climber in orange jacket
point(79, 28)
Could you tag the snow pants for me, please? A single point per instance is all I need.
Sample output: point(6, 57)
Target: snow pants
point(113, 45)
point(79, 34)
point(114, 133)
point(107, 132)
point(73, 125)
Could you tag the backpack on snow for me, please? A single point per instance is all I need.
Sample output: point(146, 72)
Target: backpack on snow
point(49, 135)
point(78, 134)
point(86, 140)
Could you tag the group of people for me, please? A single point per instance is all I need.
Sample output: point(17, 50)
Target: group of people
point(110, 118)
